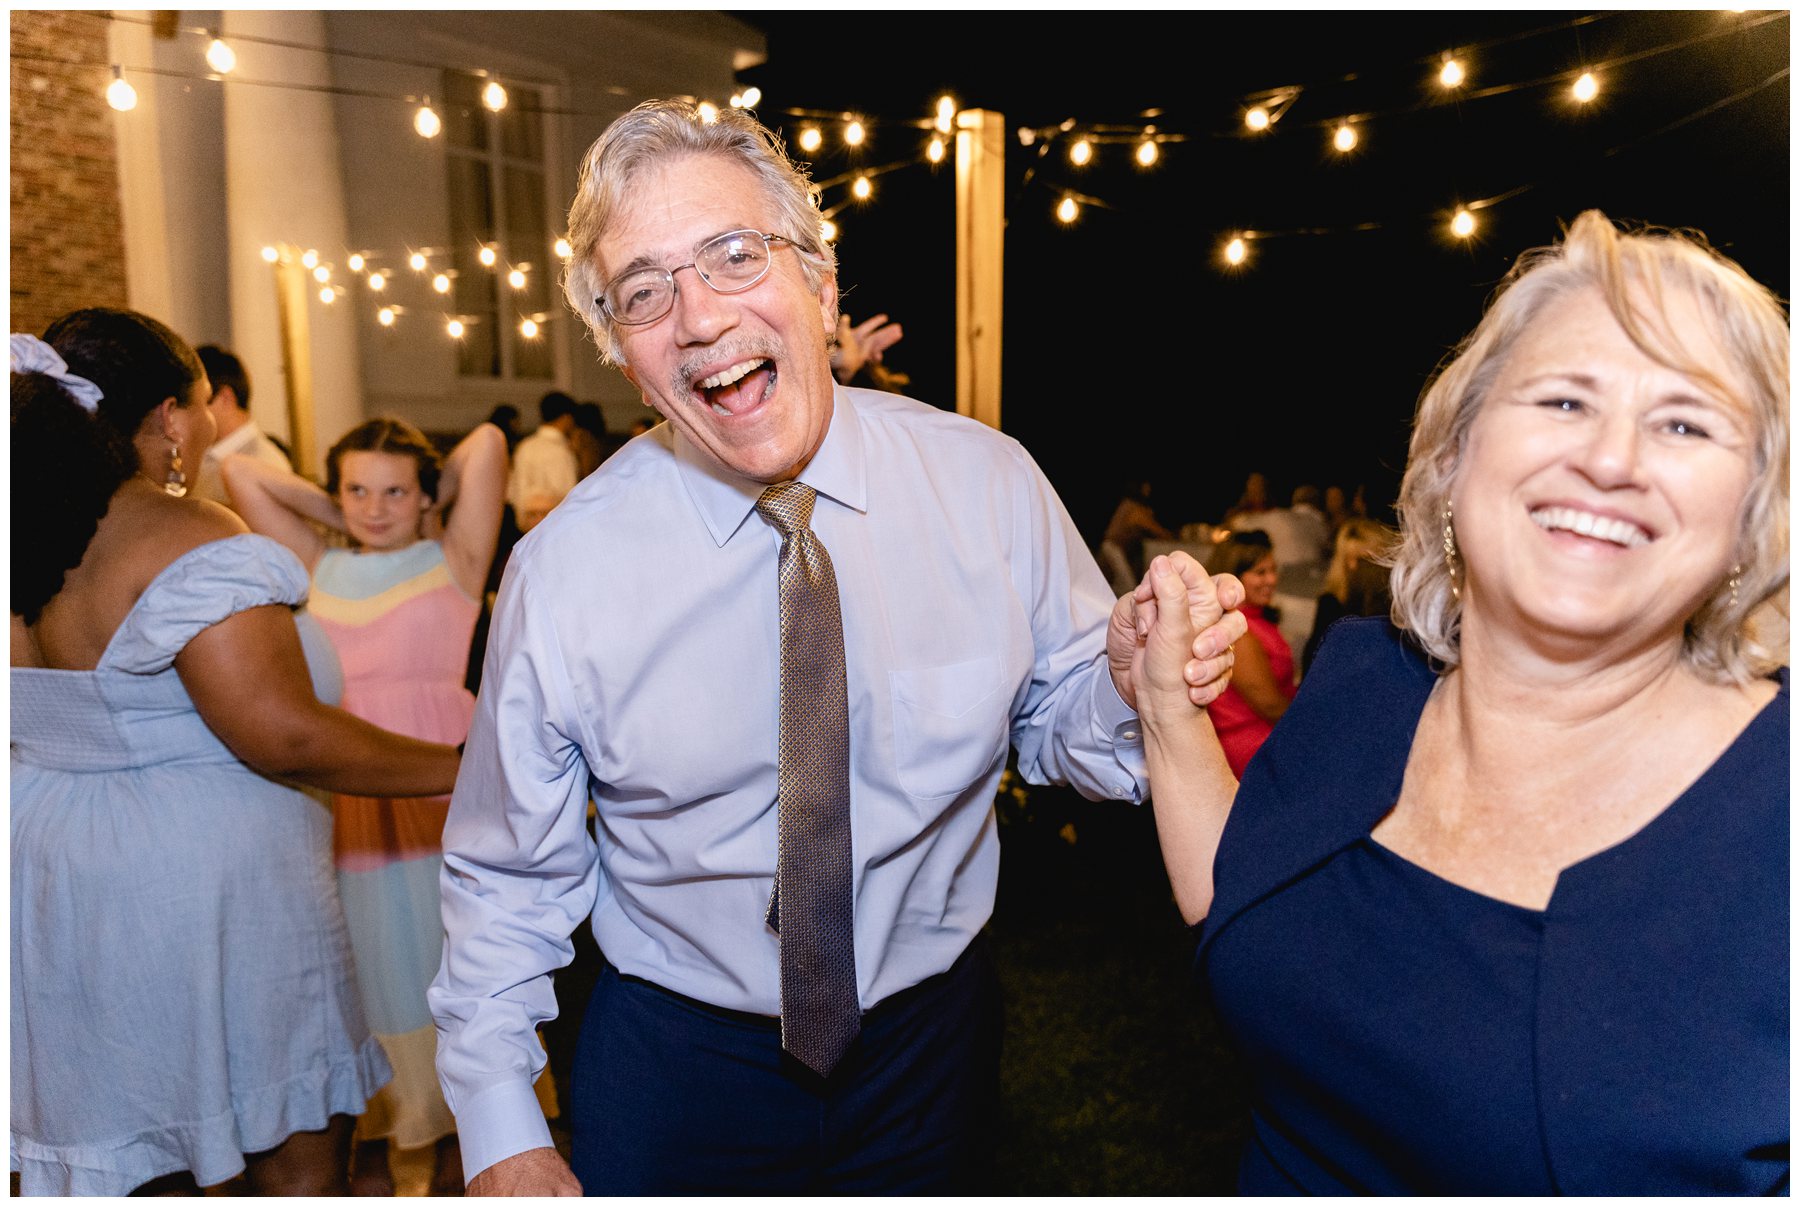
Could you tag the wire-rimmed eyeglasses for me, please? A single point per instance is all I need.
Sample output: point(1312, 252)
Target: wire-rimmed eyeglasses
point(730, 263)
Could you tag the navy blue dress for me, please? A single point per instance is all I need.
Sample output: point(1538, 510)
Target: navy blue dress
point(1406, 1035)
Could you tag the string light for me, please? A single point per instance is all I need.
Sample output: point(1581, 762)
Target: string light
point(946, 113)
point(862, 190)
point(1345, 138)
point(417, 261)
point(934, 150)
point(321, 274)
point(1236, 251)
point(709, 112)
point(385, 316)
point(327, 295)
point(356, 261)
point(516, 278)
point(811, 139)
point(120, 94)
point(377, 281)
point(1147, 152)
point(563, 250)
point(441, 283)
point(220, 57)
point(854, 134)
point(455, 328)
point(828, 230)
point(426, 122)
point(751, 98)
point(1463, 224)
point(1081, 152)
point(494, 96)
point(309, 259)
point(1067, 210)
point(270, 254)
point(1586, 88)
point(528, 328)
point(1257, 118)
point(487, 255)
point(1451, 74)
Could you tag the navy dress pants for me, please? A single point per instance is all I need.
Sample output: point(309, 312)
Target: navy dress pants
point(673, 1096)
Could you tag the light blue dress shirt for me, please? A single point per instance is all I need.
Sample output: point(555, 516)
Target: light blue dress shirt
point(634, 657)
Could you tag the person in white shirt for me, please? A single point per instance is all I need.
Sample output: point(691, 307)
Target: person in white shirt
point(238, 433)
point(544, 465)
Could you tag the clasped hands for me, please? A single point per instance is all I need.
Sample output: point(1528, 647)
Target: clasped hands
point(1169, 642)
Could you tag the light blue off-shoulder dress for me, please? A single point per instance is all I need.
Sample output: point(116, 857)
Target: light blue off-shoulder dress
point(182, 987)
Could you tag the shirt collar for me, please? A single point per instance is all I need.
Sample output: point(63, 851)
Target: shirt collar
point(837, 471)
point(237, 442)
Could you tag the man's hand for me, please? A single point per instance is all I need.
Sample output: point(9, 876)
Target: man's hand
point(864, 342)
point(536, 1171)
point(1215, 625)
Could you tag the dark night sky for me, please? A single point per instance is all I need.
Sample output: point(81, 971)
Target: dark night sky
point(1127, 349)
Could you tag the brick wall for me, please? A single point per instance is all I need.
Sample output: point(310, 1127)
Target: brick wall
point(68, 245)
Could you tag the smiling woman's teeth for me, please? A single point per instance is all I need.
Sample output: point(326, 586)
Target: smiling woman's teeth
point(1586, 523)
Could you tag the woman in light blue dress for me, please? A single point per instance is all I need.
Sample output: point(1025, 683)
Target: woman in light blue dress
point(183, 1003)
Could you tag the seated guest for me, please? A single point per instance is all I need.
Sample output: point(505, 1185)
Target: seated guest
point(1502, 906)
point(1262, 679)
point(1355, 585)
point(1134, 520)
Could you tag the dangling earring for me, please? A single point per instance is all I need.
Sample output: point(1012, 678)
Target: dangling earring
point(176, 483)
point(1737, 572)
point(1450, 551)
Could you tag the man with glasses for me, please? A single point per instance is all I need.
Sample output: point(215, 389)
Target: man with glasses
point(784, 642)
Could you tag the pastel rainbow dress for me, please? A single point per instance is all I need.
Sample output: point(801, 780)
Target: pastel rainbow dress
point(402, 628)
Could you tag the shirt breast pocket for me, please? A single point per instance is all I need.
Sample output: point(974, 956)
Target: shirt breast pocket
point(950, 725)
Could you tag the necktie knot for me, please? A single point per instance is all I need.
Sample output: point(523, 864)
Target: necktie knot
point(788, 506)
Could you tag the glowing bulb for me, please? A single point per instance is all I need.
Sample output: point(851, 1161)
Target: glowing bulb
point(1146, 152)
point(220, 57)
point(321, 274)
point(417, 261)
point(271, 255)
point(1236, 251)
point(811, 139)
point(528, 328)
point(1452, 74)
point(862, 190)
point(751, 98)
point(327, 295)
point(563, 250)
point(1586, 88)
point(309, 259)
point(494, 96)
point(828, 230)
point(487, 256)
point(355, 262)
point(426, 122)
point(946, 113)
point(385, 316)
point(709, 112)
point(1081, 153)
point(377, 281)
point(455, 328)
point(934, 151)
point(1463, 225)
point(1257, 118)
point(854, 134)
point(120, 94)
point(441, 283)
point(1067, 210)
point(1345, 138)
point(516, 278)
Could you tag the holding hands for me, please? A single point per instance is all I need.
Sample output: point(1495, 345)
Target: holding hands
point(1169, 642)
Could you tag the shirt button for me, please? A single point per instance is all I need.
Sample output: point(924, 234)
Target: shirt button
point(1130, 735)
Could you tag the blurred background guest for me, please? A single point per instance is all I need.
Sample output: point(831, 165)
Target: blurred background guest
point(589, 439)
point(183, 1001)
point(1132, 521)
point(506, 418)
point(238, 433)
point(1254, 499)
point(545, 466)
point(1356, 584)
point(1262, 676)
point(856, 355)
point(400, 607)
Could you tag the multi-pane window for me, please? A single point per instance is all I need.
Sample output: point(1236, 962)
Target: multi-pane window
point(496, 165)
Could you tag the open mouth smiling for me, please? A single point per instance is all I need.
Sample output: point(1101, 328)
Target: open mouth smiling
point(1610, 529)
point(740, 388)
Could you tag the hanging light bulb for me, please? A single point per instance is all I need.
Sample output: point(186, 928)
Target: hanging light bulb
point(1081, 153)
point(861, 189)
point(946, 113)
point(494, 96)
point(426, 121)
point(528, 328)
point(1067, 210)
point(1345, 138)
point(454, 328)
point(1463, 224)
point(1147, 152)
point(563, 250)
point(1586, 88)
point(1236, 251)
point(220, 57)
point(828, 230)
point(811, 139)
point(377, 281)
point(417, 261)
point(1451, 75)
point(441, 283)
point(854, 134)
point(270, 254)
point(327, 295)
point(355, 262)
point(751, 98)
point(321, 274)
point(309, 259)
point(1257, 118)
point(934, 150)
point(709, 112)
point(487, 255)
point(120, 94)
point(385, 316)
point(516, 278)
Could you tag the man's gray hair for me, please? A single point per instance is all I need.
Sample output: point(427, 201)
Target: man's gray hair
point(658, 132)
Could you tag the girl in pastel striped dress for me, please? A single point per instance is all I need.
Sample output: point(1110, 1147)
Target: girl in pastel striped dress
point(400, 606)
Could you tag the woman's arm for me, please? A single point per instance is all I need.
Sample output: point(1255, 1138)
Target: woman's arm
point(474, 479)
point(248, 679)
point(1191, 784)
point(281, 504)
point(1254, 679)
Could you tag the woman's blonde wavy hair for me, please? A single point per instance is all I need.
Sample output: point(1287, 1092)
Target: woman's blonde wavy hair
point(1725, 640)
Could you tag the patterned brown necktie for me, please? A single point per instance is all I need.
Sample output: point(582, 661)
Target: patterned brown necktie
point(811, 907)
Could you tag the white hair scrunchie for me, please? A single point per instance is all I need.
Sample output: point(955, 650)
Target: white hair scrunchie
point(32, 355)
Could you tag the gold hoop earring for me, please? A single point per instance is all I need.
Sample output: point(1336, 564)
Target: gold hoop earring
point(1450, 550)
point(176, 483)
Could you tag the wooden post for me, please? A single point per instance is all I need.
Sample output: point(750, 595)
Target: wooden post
point(980, 260)
point(292, 284)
